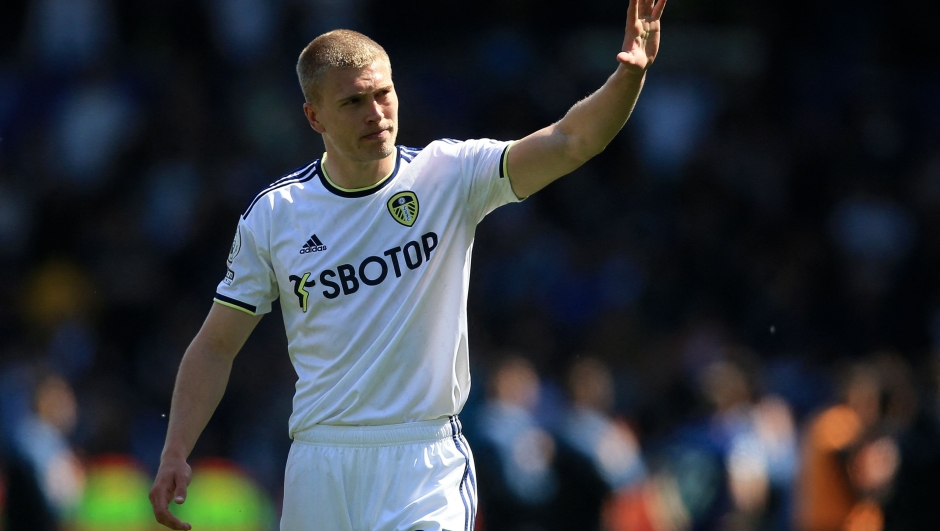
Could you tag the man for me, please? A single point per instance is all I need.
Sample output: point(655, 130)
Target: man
point(369, 250)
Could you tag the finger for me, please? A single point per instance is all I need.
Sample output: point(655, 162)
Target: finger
point(167, 519)
point(647, 9)
point(159, 501)
point(630, 31)
point(658, 9)
point(159, 495)
point(632, 15)
point(179, 494)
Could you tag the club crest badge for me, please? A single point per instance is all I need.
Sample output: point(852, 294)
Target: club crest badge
point(236, 246)
point(403, 206)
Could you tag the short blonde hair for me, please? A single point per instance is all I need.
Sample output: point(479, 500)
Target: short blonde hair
point(335, 49)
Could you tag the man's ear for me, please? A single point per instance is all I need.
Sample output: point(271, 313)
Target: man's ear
point(311, 114)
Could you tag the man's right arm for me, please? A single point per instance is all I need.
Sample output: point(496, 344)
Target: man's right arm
point(200, 384)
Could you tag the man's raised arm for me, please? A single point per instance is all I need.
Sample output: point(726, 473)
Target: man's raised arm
point(587, 128)
point(200, 384)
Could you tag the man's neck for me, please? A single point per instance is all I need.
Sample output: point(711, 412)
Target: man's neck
point(354, 175)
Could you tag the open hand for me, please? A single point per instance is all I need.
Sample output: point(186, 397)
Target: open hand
point(172, 479)
point(641, 37)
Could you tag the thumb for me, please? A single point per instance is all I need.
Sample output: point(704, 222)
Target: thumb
point(179, 496)
point(626, 58)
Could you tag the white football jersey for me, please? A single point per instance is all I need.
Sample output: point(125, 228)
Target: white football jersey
point(373, 282)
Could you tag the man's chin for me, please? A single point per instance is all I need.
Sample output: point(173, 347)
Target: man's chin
point(388, 149)
point(378, 151)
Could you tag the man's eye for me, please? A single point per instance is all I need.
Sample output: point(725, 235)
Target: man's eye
point(352, 101)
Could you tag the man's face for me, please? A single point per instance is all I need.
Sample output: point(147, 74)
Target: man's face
point(358, 112)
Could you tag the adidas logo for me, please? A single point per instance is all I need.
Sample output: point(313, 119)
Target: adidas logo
point(313, 245)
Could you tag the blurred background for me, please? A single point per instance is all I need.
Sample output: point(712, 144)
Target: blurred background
point(729, 320)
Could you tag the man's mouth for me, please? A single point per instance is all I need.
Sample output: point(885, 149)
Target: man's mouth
point(383, 133)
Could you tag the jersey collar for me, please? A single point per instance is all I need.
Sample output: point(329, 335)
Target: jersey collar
point(358, 192)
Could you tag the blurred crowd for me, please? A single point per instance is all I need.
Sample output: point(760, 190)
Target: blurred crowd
point(729, 320)
point(868, 459)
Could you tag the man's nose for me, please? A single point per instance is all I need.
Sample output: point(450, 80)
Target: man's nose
point(376, 112)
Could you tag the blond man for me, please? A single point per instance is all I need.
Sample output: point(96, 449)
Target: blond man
point(368, 248)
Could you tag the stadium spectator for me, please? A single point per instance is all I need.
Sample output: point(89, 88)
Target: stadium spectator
point(47, 465)
point(850, 454)
point(913, 501)
point(598, 453)
point(757, 437)
point(519, 483)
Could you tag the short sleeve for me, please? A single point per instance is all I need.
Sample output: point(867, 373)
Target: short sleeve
point(485, 166)
point(249, 284)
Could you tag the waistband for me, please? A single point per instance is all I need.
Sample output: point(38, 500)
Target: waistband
point(387, 435)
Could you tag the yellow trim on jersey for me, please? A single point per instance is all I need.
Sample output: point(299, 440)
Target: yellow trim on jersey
point(230, 305)
point(352, 190)
point(506, 159)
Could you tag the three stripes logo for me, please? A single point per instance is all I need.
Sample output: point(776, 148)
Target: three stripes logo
point(313, 245)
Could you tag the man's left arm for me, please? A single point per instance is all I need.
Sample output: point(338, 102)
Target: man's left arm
point(587, 128)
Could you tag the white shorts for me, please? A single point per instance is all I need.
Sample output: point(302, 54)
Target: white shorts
point(402, 477)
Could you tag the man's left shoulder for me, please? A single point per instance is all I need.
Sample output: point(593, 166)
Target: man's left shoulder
point(409, 153)
point(455, 148)
point(436, 149)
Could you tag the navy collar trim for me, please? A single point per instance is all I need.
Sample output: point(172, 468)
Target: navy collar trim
point(362, 192)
